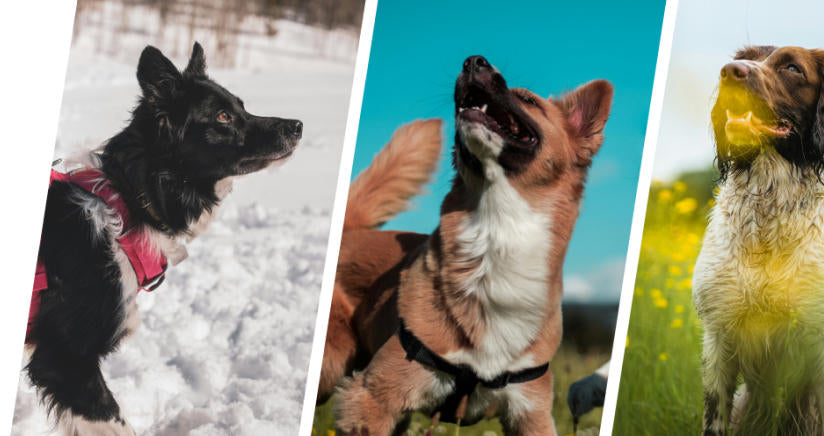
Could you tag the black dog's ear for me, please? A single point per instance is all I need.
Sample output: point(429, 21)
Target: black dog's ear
point(156, 74)
point(197, 63)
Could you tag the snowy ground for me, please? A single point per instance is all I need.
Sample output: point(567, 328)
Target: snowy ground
point(225, 342)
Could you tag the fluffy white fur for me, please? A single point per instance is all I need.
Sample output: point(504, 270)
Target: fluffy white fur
point(78, 426)
point(513, 244)
point(758, 284)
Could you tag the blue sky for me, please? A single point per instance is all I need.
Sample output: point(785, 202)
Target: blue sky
point(549, 47)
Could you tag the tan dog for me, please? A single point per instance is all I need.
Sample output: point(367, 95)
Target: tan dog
point(481, 295)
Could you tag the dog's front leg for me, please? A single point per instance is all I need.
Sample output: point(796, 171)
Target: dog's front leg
point(720, 371)
point(816, 423)
point(528, 409)
point(75, 391)
point(373, 401)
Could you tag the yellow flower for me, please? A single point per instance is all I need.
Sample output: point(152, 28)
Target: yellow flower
point(679, 308)
point(330, 432)
point(655, 293)
point(675, 270)
point(686, 205)
point(692, 238)
point(679, 186)
point(676, 323)
point(627, 344)
point(663, 356)
point(661, 302)
point(665, 195)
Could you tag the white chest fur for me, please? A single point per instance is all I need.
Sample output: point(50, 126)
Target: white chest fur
point(762, 263)
point(512, 242)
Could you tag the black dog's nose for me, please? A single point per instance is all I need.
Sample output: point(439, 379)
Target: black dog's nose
point(475, 63)
point(735, 71)
point(297, 128)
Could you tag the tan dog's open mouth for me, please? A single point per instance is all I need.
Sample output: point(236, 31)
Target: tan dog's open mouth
point(479, 106)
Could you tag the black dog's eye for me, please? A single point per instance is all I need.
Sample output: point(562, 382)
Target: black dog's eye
point(223, 117)
point(793, 68)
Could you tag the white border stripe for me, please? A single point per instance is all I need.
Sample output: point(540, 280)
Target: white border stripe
point(641, 196)
point(35, 37)
point(338, 212)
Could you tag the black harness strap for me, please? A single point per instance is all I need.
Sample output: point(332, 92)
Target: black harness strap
point(466, 379)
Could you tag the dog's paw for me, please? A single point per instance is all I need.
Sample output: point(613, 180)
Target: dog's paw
point(73, 425)
point(358, 431)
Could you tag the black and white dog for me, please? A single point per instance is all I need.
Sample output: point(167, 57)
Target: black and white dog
point(156, 182)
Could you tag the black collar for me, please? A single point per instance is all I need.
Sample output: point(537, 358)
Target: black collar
point(149, 214)
point(466, 379)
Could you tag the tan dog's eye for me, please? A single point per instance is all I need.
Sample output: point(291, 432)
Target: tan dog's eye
point(793, 68)
point(223, 117)
point(528, 99)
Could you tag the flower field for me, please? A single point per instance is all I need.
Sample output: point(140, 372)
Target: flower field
point(660, 391)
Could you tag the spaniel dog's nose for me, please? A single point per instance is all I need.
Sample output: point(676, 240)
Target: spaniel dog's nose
point(735, 71)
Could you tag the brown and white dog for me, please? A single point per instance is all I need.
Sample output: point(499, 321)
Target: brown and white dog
point(483, 291)
point(759, 279)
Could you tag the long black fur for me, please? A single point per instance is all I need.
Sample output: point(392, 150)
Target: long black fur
point(165, 165)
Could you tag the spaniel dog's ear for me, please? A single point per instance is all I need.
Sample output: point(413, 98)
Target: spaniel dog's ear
point(818, 125)
point(818, 121)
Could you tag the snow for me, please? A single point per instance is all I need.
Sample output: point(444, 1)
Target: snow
point(225, 341)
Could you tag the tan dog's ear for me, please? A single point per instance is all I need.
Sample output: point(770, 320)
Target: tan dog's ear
point(587, 109)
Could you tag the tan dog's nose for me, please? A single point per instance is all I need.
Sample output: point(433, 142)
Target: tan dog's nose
point(474, 64)
point(735, 71)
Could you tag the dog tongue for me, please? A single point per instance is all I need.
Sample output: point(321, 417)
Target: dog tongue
point(748, 124)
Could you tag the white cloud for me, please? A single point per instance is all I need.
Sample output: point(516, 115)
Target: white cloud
point(601, 284)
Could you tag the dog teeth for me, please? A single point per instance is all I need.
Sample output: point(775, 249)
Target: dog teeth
point(747, 116)
point(483, 108)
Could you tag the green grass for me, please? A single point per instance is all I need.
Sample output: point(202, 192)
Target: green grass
point(567, 367)
point(661, 390)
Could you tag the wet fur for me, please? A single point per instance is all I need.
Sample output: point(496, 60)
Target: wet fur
point(757, 284)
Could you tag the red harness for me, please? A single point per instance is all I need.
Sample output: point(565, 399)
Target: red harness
point(148, 263)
